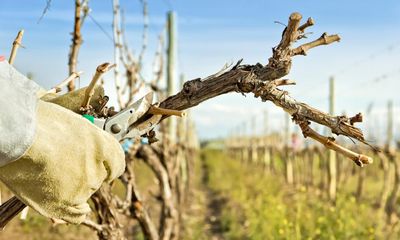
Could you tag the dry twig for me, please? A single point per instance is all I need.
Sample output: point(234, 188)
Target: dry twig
point(330, 143)
point(145, 30)
point(167, 112)
point(117, 50)
point(325, 39)
point(16, 44)
point(80, 6)
point(58, 87)
point(100, 70)
point(168, 213)
point(158, 63)
point(134, 203)
point(310, 22)
point(89, 223)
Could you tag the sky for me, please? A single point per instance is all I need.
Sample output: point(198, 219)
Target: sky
point(364, 64)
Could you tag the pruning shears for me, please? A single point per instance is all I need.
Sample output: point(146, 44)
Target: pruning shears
point(129, 122)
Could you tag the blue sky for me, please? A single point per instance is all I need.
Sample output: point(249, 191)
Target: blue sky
point(212, 33)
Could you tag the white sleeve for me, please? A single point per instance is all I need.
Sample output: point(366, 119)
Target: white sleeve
point(17, 113)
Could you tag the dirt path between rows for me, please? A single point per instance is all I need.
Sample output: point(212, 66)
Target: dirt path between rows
point(214, 206)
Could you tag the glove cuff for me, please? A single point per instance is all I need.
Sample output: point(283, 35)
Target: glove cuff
point(18, 113)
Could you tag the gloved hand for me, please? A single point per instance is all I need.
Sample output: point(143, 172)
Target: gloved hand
point(73, 100)
point(66, 161)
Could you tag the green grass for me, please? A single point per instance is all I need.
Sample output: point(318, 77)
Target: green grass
point(257, 205)
point(262, 206)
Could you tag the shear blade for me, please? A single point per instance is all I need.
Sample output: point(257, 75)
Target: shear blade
point(128, 116)
point(143, 106)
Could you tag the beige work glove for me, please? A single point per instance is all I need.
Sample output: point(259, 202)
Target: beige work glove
point(67, 162)
point(73, 100)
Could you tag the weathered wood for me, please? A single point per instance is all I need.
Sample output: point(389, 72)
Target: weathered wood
point(9, 210)
point(110, 227)
point(171, 70)
point(332, 170)
point(76, 39)
point(266, 145)
point(16, 45)
point(288, 153)
point(360, 184)
point(254, 78)
point(100, 70)
point(389, 131)
point(253, 141)
point(263, 82)
point(386, 180)
point(135, 205)
point(168, 214)
point(245, 147)
point(390, 206)
point(117, 38)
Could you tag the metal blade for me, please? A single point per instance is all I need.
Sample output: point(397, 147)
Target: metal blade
point(118, 124)
point(138, 130)
point(145, 104)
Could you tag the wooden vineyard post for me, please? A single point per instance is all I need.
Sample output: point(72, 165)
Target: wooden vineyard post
point(266, 147)
point(386, 161)
point(389, 133)
point(289, 158)
point(171, 70)
point(391, 155)
point(192, 148)
point(236, 133)
point(253, 141)
point(235, 143)
point(182, 125)
point(239, 142)
point(245, 144)
point(310, 156)
point(229, 142)
point(361, 172)
point(332, 154)
point(183, 156)
point(343, 168)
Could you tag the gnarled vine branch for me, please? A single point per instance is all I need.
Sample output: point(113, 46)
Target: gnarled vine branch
point(263, 81)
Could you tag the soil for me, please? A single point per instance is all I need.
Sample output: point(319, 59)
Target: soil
point(214, 203)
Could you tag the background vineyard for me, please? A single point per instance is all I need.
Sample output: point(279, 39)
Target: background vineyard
point(263, 180)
